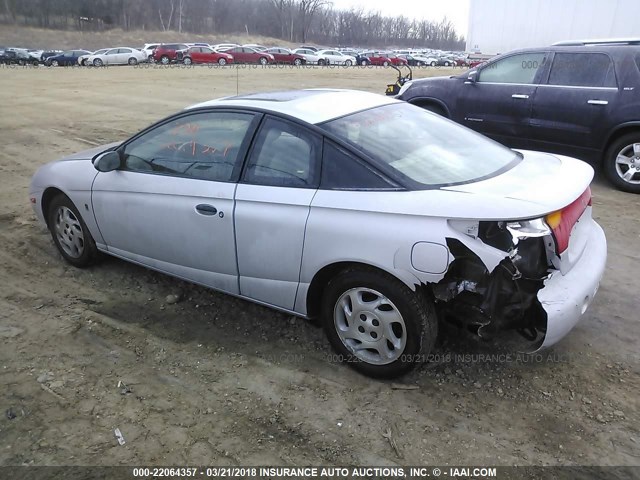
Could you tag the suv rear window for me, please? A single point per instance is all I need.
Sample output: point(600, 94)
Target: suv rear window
point(582, 70)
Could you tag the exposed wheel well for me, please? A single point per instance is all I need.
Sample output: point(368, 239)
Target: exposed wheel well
point(617, 134)
point(48, 195)
point(432, 106)
point(322, 278)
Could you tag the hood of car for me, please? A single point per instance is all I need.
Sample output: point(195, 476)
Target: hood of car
point(90, 153)
point(541, 183)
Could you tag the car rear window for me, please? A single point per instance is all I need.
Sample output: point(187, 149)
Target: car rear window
point(421, 146)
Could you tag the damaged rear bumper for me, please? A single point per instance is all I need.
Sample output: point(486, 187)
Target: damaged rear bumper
point(565, 298)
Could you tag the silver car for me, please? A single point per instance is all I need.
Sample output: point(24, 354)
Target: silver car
point(375, 215)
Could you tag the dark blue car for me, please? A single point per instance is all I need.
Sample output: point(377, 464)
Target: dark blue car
point(66, 58)
point(579, 99)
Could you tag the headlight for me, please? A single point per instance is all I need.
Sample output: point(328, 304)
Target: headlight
point(405, 87)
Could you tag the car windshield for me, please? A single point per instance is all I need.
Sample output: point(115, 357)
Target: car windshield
point(422, 146)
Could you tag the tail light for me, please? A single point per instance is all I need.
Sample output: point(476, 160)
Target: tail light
point(562, 221)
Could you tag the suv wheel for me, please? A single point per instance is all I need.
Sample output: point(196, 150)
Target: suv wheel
point(622, 163)
point(164, 60)
point(376, 323)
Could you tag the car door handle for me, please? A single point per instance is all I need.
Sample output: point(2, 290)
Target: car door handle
point(519, 95)
point(205, 209)
point(597, 102)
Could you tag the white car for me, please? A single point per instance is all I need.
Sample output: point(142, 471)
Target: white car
point(334, 57)
point(320, 203)
point(311, 56)
point(148, 50)
point(82, 59)
point(221, 47)
point(117, 56)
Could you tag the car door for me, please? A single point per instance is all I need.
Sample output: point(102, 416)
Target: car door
point(573, 102)
point(499, 102)
point(110, 57)
point(124, 54)
point(170, 205)
point(272, 206)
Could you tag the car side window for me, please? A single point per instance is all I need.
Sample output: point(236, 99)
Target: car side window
point(520, 68)
point(284, 155)
point(341, 170)
point(202, 145)
point(582, 70)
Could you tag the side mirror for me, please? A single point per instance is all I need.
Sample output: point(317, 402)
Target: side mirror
point(107, 162)
point(472, 76)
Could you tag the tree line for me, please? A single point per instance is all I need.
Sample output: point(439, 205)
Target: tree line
point(291, 20)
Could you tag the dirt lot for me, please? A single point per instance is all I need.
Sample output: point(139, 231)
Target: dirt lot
point(216, 380)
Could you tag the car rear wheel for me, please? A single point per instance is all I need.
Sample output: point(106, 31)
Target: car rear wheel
point(376, 323)
point(70, 234)
point(363, 63)
point(622, 163)
point(297, 62)
point(97, 62)
point(433, 64)
point(447, 64)
point(222, 62)
point(322, 62)
point(186, 61)
point(348, 63)
point(263, 61)
point(54, 63)
point(164, 60)
point(132, 61)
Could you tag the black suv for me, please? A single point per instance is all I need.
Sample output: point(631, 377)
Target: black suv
point(575, 99)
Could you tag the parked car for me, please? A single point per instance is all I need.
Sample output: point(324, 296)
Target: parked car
point(18, 57)
point(203, 55)
point(334, 57)
point(385, 59)
point(318, 206)
point(256, 46)
point(220, 47)
point(117, 56)
point(250, 55)
point(413, 61)
point(310, 47)
point(311, 56)
point(49, 53)
point(579, 100)
point(284, 55)
point(148, 49)
point(166, 53)
point(66, 58)
point(396, 60)
point(82, 59)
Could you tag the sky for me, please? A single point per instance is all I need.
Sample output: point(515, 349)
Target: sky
point(455, 10)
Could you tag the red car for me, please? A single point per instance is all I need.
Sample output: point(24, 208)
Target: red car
point(284, 55)
point(250, 55)
point(203, 55)
point(167, 53)
point(384, 59)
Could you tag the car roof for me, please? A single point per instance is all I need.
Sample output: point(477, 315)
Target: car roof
point(311, 105)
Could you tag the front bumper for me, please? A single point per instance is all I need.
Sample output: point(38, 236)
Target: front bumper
point(566, 297)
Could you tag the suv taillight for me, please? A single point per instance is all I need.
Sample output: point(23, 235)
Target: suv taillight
point(562, 221)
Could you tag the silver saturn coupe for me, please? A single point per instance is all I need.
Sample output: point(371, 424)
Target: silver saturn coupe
point(375, 216)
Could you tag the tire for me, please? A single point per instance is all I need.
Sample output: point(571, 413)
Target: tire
point(132, 61)
point(186, 61)
point(54, 63)
point(363, 63)
point(70, 234)
point(420, 64)
point(151, 59)
point(164, 60)
point(83, 63)
point(222, 62)
point(35, 63)
point(447, 64)
point(433, 64)
point(624, 174)
point(385, 64)
point(297, 62)
point(322, 62)
point(263, 61)
point(97, 62)
point(348, 63)
point(411, 322)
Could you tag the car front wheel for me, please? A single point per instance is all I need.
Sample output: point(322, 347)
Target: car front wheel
point(297, 62)
point(70, 234)
point(376, 323)
point(132, 61)
point(98, 63)
point(164, 60)
point(222, 62)
point(622, 163)
point(263, 61)
point(186, 61)
point(54, 63)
